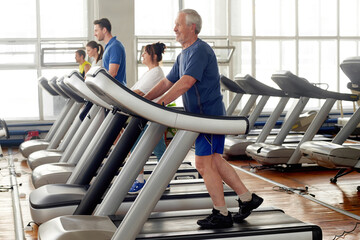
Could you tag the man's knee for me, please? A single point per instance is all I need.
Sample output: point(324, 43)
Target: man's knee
point(202, 163)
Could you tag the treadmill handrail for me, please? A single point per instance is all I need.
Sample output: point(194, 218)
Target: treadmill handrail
point(230, 85)
point(296, 85)
point(69, 91)
point(53, 84)
point(256, 87)
point(109, 89)
point(44, 84)
point(76, 83)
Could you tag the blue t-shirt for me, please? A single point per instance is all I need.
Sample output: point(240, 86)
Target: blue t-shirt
point(115, 53)
point(199, 61)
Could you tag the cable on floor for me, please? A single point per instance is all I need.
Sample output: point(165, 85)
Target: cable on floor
point(289, 190)
point(346, 232)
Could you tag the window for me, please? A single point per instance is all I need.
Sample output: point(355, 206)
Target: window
point(317, 17)
point(38, 41)
point(212, 14)
point(275, 17)
point(19, 19)
point(310, 46)
point(17, 54)
point(156, 17)
point(349, 18)
point(19, 97)
point(272, 56)
point(241, 17)
point(70, 22)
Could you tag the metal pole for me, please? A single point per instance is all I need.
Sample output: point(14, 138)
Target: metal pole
point(270, 123)
point(154, 188)
point(19, 225)
point(312, 129)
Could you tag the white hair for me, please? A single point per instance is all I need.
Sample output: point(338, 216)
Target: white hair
point(192, 17)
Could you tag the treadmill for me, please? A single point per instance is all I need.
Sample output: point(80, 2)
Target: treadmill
point(231, 86)
point(139, 222)
point(73, 135)
point(59, 127)
point(53, 200)
point(61, 171)
point(333, 154)
point(236, 145)
point(277, 154)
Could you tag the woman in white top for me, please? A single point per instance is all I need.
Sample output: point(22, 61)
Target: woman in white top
point(95, 51)
point(152, 56)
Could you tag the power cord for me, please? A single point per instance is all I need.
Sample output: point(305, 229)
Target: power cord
point(302, 191)
point(346, 232)
point(5, 188)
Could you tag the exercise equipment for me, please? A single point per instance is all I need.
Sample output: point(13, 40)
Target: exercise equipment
point(53, 200)
point(275, 153)
point(60, 126)
point(4, 132)
point(236, 145)
point(334, 154)
point(60, 172)
point(100, 226)
point(76, 132)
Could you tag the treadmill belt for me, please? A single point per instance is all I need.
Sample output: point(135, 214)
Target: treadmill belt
point(261, 224)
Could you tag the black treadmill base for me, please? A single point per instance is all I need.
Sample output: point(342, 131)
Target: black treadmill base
point(267, 223)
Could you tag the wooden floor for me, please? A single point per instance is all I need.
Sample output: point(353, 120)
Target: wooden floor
point(342, 195)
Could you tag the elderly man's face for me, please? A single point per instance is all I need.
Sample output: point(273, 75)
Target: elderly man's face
point(183, 32)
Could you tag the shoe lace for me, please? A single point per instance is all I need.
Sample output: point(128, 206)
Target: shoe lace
point(242, 206)
point(212, 215)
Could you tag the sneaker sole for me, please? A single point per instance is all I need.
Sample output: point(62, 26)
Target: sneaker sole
point(133, 193)
point(215, 227)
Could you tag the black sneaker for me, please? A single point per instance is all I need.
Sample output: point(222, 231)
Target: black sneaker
point(245, 208)
point(216, 220)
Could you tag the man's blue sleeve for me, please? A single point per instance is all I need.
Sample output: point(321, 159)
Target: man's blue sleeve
point(116, 55)
point(173, 75)
point(196, 64)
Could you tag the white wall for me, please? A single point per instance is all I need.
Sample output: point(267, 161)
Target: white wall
point(121, 15)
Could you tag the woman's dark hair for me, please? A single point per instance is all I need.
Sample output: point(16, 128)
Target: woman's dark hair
point(81, 53)
point(156, 49)
point(99, 49)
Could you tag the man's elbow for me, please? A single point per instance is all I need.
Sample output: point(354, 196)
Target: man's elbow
point(188, 84)
point(113, 73)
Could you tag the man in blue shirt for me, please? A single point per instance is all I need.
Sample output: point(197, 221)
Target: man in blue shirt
point(195, 76)
point(114, 57)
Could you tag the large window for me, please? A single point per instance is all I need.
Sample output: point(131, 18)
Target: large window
point(156, 17)
point(18, 19)
point(309, 38)
point(38, 38)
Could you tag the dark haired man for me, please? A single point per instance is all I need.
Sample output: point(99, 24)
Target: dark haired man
point(84, 65)
point(114, 58)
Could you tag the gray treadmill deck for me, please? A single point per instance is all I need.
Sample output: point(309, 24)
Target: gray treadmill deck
point(67, 194)
point(266, 223)
point(262, 224)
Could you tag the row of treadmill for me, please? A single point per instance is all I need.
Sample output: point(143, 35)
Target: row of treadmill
point(283, 147)
point(82, 178)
